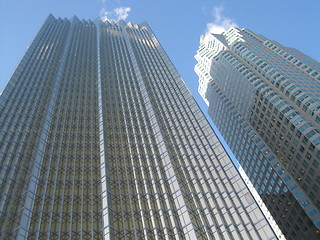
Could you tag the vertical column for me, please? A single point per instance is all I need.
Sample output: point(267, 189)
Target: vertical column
point(33, 183)
point(104, 168)
point(177, 194)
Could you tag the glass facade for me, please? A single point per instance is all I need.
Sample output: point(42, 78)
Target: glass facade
point(101, 139)
point(264, 99)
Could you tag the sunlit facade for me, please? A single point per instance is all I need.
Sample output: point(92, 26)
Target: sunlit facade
point(101, 139)
point(265, 100)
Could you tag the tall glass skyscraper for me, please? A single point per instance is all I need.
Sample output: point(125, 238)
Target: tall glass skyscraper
point(265, 100)
point(101, 139)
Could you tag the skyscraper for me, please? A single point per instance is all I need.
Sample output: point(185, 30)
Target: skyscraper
point(101, 139)
point(265, 100)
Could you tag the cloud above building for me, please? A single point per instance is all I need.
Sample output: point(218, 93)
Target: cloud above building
point(120, 13)
point(220, 23)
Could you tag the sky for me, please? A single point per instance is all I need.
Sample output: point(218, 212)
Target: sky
point(177, 24)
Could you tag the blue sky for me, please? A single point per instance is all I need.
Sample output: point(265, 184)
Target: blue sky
point(178, 25)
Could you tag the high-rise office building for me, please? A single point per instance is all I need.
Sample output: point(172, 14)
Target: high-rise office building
point(101, 139)
point(265, 100)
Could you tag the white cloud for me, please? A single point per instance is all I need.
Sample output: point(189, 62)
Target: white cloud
point(120, 13)
point(220, 23)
